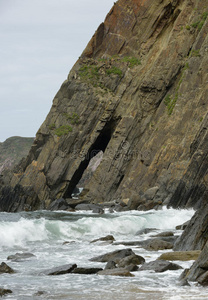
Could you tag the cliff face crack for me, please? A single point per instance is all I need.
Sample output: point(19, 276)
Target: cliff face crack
point(100, 144)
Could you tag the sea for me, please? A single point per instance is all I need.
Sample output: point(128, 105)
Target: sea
point(61, 237)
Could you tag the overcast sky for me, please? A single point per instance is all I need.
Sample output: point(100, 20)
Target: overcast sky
point(40, 42)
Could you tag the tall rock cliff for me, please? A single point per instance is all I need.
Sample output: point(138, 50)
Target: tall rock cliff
point(138, 93)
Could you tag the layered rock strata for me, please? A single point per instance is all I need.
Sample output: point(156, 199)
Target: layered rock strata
point(138, 93)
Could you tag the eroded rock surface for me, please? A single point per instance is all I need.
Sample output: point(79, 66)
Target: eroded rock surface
point(138, 94)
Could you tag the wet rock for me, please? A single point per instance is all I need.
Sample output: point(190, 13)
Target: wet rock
point(182, 226)
point(110, 265)
point(150, 193)
point(74, 202)
point(20, 256)
point(164, 234)
point(180, 255)
point(184, 282)
point(105, 238)
point(158, 244)
point(94, 207)
point(4, 268)
point(65, 269)
point(86, 271)
point(199, 269)
point(40, 293)
point(4, 292)
point(115, 256)
point(59, 204)
point(145, 231)
point(160, 266)
point(116, 272)
point(131, 260)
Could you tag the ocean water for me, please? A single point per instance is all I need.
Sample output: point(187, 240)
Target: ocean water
point(44, 234)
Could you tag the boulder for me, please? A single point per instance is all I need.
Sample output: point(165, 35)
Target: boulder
point(159, 266)
point(59, 204)
point(4, 268)
point(131, 260)
point(116, 272)
point(4, 292)
point(110, 265)
point(86, 270)
point(157, 244)
point(115, 256)
point(65, 269)
point(150, 193)
point(164, 234)
point(20, 256)
point(145, 231)
point(105, 238)
point(180, 255)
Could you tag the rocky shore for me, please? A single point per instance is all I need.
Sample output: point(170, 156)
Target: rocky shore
point(125, 262)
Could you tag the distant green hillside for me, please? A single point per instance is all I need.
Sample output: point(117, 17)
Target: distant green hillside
point(13, 150)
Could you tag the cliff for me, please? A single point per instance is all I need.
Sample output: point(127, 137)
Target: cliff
point(138, 93)
point(13, 150)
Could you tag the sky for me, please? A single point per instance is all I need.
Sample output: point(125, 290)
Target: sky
point(40, 42)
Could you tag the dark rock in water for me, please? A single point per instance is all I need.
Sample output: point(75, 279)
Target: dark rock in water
point(182, 226)
point(184, 282)
point(4, 292)
point(40, 293)
point(160, 266)
point(4, 268)
point(59, 204)
point(164, 234)
point(157, 244)
point(115, 256)
point(131, 260)
point(86, 270)
point(195, 235)
point(145, 231)
point(74, 202)
point(110, 265)
point(94, 207)
point(116, 272)
point(132, 268)
point(105, 238)
point(65, 269)
point(20, 256)
point(199, 270)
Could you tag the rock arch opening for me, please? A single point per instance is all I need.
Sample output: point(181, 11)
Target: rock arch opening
point(99, 145)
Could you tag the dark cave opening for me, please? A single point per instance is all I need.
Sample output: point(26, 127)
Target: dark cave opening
point(100, 144)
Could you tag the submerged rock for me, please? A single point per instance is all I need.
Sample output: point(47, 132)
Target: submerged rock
point(105, 238)
point(20, 256)
point(4, 292)
point(116, 272)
